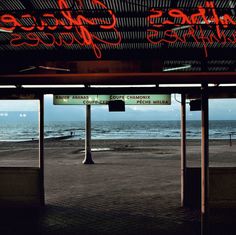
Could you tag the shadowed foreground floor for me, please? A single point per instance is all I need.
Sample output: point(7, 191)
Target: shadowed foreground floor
point(132, 190)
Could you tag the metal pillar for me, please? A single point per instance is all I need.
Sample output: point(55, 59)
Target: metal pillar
point(205, 162)
point(183, 149)
point(88, 155)
point(41, 150)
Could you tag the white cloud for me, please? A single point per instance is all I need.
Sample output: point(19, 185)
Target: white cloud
point(18, 105)
point(146, 108)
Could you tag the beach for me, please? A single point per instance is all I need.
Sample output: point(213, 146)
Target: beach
point(104, 151)
point(133, 187)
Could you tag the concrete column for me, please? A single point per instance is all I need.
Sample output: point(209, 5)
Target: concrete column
point(41, 149)
point(88, 155)
point(205, 162)
point(183, 149)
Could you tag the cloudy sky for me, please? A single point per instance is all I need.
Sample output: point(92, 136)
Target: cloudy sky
point(219, 110)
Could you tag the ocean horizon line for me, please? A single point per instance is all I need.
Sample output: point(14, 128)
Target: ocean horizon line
point(117, 130)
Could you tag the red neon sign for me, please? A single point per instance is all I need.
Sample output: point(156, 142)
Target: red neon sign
point(81, 25)
point(82, 35)
point(193, 24)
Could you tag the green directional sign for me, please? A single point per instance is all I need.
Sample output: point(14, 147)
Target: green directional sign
point(104, 99)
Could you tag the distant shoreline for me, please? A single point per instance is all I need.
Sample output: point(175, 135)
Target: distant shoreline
point(115, 140)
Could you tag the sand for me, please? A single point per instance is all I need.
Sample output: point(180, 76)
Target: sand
point(134, 188)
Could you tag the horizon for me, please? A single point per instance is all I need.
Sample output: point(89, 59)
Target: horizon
point(26, 119)
point(224, 109)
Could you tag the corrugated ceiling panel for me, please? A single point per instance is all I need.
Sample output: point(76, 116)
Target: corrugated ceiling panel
point(131, 23)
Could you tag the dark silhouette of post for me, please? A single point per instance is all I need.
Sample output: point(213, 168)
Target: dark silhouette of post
point(205, 162)
point(183, 149)
point(41, 150)
point(88, 155)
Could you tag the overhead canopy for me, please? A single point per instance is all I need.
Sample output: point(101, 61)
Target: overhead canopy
point(125, 36)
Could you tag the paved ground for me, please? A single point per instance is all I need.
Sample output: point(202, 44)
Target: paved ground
point(131, 191)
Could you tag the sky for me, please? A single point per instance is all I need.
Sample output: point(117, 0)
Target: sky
point(218, 110)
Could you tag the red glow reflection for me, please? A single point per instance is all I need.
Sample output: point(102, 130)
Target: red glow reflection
point(191, 27)
point(81, 26)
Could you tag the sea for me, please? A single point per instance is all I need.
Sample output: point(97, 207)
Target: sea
point(27, 131)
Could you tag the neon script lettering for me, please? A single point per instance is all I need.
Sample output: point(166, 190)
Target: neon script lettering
point(74, 29)
point(169, 32)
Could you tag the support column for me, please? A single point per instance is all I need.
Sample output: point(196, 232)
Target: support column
point(183, 149)
point(205, 162)
point(88, 155)
point(41, 149)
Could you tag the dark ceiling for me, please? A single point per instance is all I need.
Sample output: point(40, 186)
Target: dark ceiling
point(17, 54)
